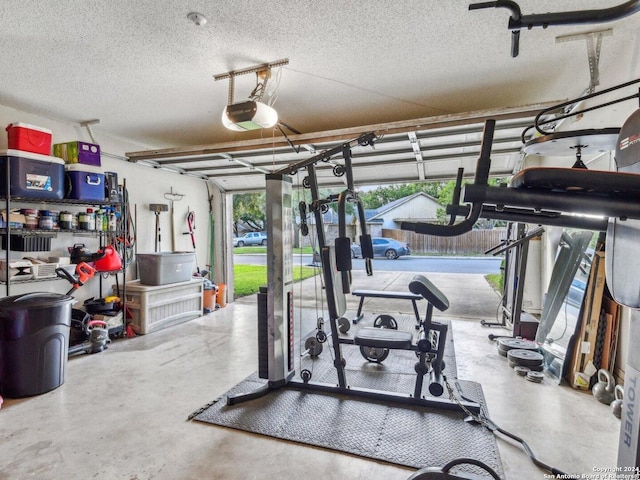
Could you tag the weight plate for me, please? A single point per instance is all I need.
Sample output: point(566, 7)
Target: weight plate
point(385, 321)
point(525, 354)
point(517, 343)
point(313, 346)
point(535, 377)
point(526, 358)
point(537, 368)
point(522, 371)
point(343, 325)
point(376, 355)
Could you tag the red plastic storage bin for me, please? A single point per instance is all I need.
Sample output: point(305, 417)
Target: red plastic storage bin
point(29, 138)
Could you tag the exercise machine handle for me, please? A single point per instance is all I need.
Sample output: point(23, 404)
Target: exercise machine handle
point(513, 6)
point(517, 21)
point(516, 16)
point(481, 178)
point(454, 208)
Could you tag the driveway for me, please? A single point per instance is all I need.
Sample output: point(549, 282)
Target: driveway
point(470, 296)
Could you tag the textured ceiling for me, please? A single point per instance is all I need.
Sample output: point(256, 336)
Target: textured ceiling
point(146, 72)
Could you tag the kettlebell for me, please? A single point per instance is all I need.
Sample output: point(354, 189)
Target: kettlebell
point(616, 405)
point(604, 389)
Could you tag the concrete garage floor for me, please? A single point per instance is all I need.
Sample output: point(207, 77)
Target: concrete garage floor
point(122, 414)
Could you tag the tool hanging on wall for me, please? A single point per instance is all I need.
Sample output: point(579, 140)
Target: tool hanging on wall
point(191, 222)
point(157, 208)
point(211, 234)
point(173, 197)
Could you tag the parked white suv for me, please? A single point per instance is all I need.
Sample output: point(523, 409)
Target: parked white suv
point(251, 238)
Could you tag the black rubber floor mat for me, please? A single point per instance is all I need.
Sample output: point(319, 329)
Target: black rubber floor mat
point(400, 434)
point(405, 435)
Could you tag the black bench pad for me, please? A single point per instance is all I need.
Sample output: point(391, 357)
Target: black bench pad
point(383, 338)
point(387, 294)
point(420, 285)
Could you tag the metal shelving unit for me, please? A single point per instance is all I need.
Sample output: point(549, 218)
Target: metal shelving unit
point(7, 231)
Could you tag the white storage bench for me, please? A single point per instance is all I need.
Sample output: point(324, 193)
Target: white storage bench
point(156, 307)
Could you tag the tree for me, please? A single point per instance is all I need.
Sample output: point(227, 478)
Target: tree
point(383, 195)
point(249, 208)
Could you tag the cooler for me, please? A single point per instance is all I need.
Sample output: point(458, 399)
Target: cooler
point(84, 182)
point(29, 138)
point(78, 152)
point(32, 175)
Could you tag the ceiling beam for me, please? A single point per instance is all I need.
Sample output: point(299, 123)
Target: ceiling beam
point(403, 126)
point(271, 152)
point(397, 161)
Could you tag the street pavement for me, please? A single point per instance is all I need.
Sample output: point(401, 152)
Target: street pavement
point(413, 263)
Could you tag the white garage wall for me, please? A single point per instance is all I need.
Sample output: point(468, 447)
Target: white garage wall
point(145, 185)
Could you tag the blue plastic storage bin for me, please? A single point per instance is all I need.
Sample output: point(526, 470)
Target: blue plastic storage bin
point(32, 175)
point(84, 182)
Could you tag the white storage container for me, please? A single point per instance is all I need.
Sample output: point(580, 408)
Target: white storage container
point(48, 270)
point(156, 307)
point(165, 267)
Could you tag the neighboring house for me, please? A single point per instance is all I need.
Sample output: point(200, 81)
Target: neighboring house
point(416, 207)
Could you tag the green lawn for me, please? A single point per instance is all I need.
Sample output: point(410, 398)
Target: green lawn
point(259, 249)
point(249, 278)
point(495, 280)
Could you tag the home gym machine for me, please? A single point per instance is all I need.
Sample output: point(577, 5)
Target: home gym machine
point(275, 307)
point(516, 252)
point(551, 196)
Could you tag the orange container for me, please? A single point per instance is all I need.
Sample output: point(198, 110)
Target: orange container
point(221, 298)
point(207, 299)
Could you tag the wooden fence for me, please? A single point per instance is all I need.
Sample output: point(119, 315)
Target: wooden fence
point(471, 243)
point(475, 242)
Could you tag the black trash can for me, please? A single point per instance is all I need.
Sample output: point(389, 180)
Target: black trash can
point(34, 342)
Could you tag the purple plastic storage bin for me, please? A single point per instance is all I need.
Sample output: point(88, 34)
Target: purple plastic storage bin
point(32, 175)
point(78, 152)
point(84, 182)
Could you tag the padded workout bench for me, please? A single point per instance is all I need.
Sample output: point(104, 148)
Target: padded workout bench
point(386, 294)
point(430, 339)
